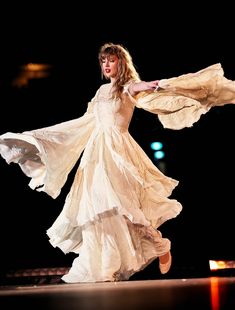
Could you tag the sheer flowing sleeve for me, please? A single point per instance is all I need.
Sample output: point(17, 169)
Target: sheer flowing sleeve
point(47, 155)
point(179, 102)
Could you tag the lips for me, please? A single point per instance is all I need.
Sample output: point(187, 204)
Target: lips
point(107, 70)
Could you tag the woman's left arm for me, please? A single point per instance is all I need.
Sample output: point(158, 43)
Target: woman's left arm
point(136, 87)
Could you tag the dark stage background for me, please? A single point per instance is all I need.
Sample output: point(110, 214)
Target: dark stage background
point(163, 44)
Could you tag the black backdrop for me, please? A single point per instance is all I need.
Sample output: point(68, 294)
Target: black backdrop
point(163, 43)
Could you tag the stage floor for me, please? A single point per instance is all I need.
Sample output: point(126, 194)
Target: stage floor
point(214, 293)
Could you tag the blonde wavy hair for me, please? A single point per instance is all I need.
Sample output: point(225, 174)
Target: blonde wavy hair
point(126, 70)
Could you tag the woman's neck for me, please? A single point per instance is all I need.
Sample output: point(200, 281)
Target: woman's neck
point(112, 80)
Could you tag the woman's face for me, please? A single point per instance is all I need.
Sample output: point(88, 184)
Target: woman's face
point(110, 66)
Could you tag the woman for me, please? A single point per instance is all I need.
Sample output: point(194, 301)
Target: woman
point(118, 198)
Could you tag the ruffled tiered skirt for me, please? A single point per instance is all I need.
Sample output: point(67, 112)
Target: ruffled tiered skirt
point(116, 203)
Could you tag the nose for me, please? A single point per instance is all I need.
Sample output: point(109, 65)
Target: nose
point(106, 63)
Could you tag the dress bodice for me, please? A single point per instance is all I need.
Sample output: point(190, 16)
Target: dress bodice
point(110, 112)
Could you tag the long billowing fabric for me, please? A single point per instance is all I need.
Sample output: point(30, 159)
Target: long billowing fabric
point(118, 198)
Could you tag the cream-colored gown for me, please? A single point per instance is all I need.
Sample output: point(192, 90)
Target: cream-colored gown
point(118, 195)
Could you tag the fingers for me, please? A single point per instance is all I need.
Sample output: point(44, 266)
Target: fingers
point(154, 84)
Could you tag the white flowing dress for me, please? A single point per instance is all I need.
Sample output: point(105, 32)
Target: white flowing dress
point(118, 198)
